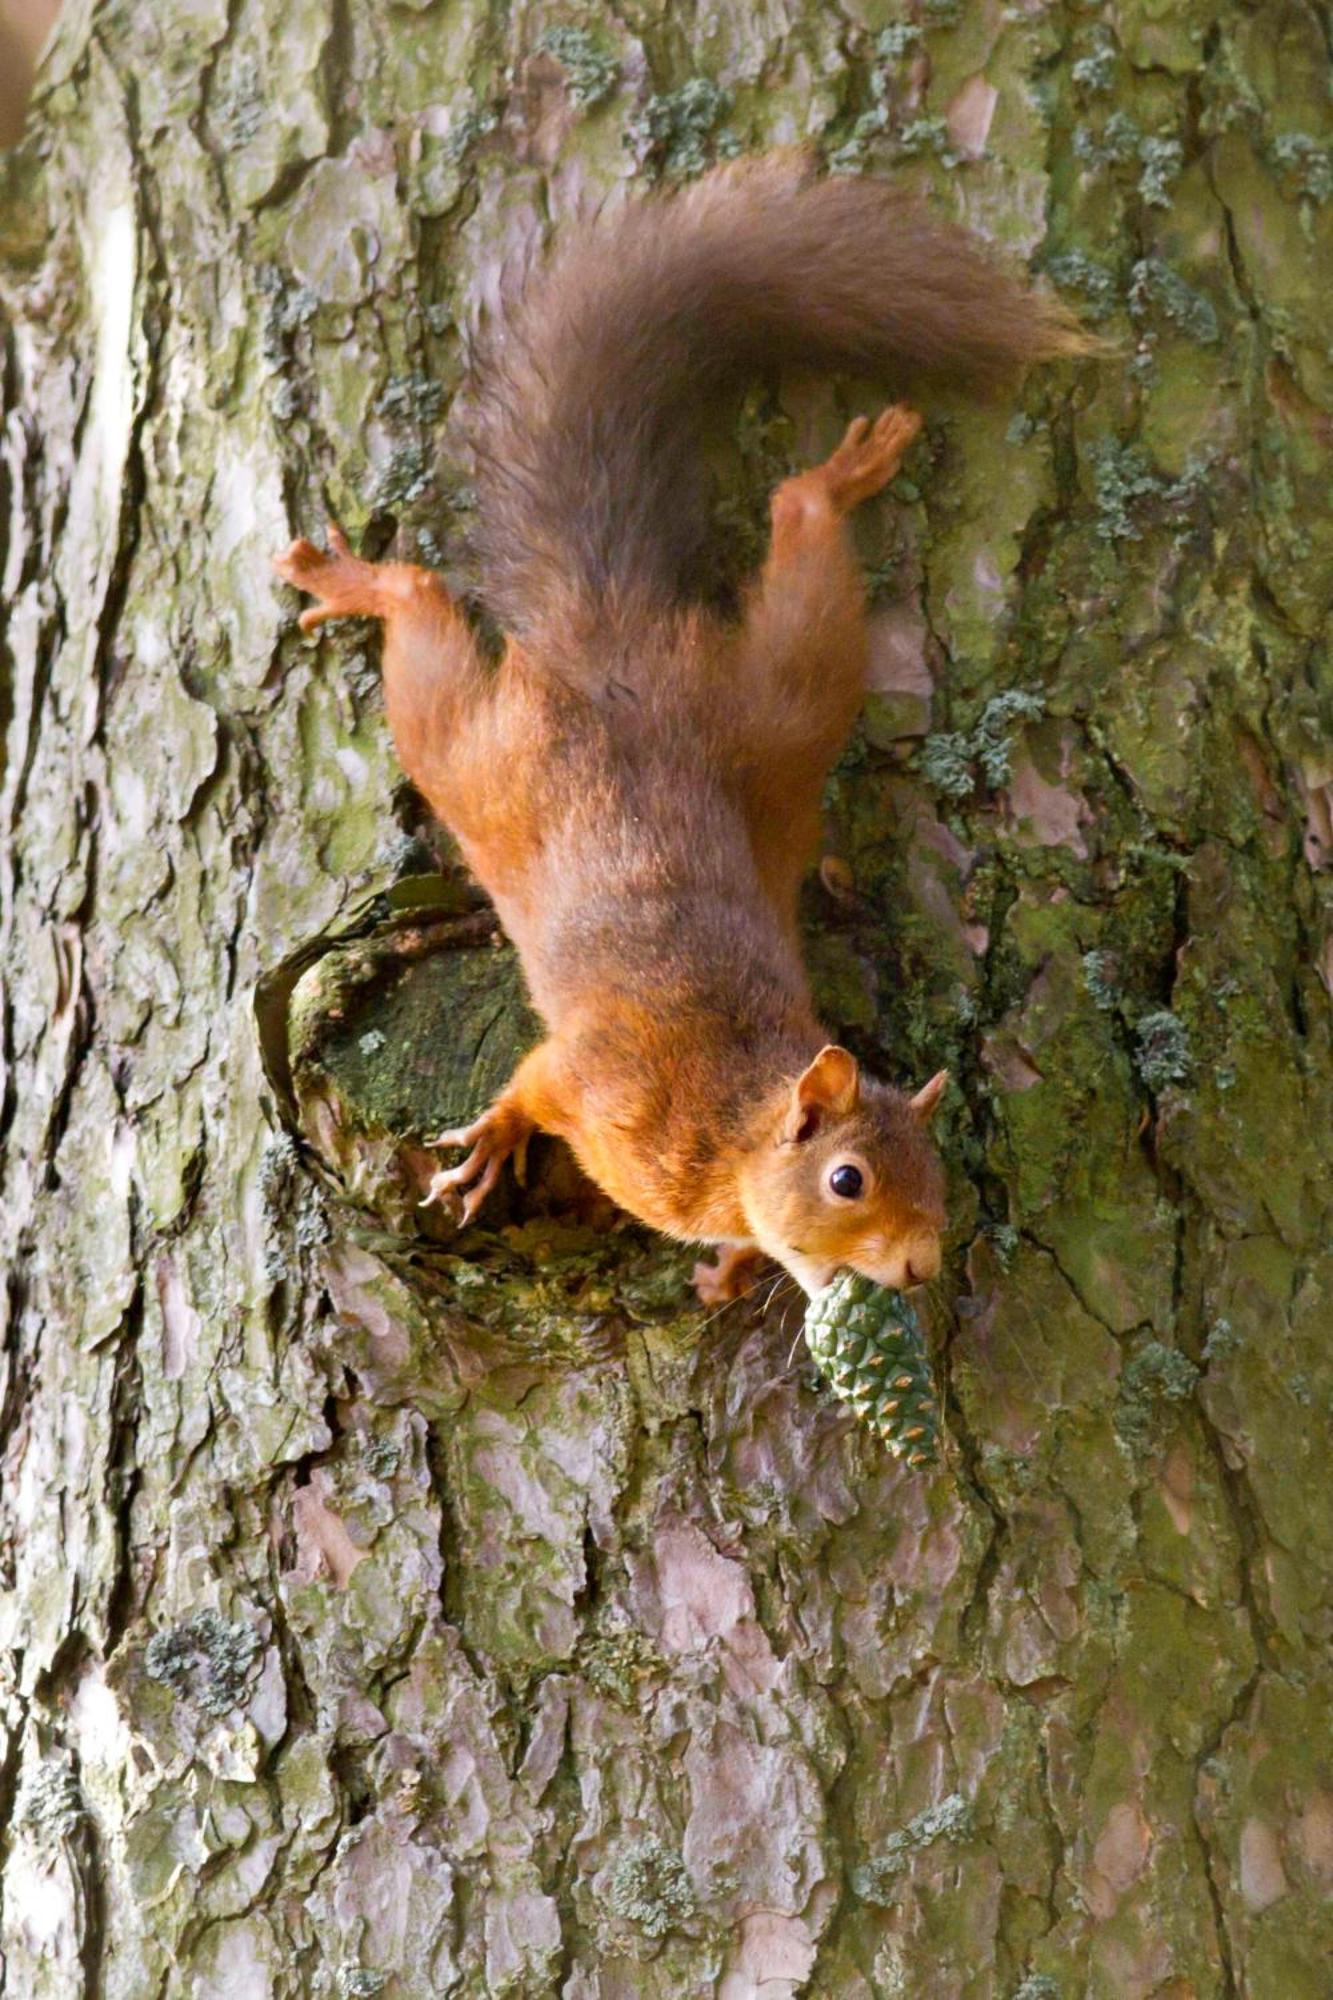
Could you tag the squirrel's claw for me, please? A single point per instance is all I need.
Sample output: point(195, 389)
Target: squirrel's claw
point(301, 564)
point(869, 455)
point(346, 586)
point(493, 1139)
point(444, 1185)
point(730, 1277)
point(459, 1135)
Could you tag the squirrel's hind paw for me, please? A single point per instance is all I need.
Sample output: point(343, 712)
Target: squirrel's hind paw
point(869, 455)
point(345, 586)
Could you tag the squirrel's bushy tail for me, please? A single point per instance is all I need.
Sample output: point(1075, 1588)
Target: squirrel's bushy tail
point(590, 394)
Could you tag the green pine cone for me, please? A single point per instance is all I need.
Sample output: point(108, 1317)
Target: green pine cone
point(869, 1347)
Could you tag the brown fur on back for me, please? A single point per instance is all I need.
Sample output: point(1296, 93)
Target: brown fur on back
point(637, 782)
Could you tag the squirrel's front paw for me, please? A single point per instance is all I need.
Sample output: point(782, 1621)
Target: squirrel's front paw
point(500, 1134)
point(731, 1277)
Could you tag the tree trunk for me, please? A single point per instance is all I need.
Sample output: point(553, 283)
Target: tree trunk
point(391, 1614)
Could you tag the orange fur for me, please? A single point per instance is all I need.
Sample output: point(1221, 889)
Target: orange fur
point(592, 822)
point(638, 783)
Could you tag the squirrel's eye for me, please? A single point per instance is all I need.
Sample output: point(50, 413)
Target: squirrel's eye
point(846, 1181)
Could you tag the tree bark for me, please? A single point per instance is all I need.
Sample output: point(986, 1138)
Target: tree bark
point(392, 1614)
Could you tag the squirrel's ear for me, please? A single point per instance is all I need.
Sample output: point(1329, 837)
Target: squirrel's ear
point(830, 1087)
point(924, 1104)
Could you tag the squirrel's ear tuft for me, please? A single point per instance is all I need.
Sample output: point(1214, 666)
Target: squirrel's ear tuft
point(923, 1106)
point(829, 1088)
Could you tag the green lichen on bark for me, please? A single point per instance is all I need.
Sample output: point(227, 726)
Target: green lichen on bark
point(206, 1659)
point(50, 1805)
point(590, 1650)
point(650, 1889)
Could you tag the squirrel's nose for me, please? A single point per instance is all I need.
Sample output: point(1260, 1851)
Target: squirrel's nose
point(923, 1264)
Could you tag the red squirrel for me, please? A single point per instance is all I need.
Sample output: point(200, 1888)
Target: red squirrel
point(637, 784)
